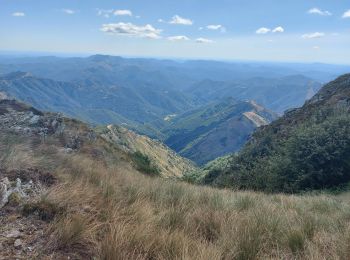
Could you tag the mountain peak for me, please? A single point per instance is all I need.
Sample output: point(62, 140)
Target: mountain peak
point(104, 58)
point(335, 91)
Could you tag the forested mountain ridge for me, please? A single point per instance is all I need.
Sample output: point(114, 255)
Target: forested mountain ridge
point(277, 94)
point(151, 96)
point(216, 129)
point(307, 148)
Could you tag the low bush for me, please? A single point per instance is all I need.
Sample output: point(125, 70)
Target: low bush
point(144, 164)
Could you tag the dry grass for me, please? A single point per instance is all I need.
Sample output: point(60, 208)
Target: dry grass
point(113, 212)
point(124, 215)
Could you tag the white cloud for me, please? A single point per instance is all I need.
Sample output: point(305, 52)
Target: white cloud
point(203, 40)
point(346, 14)
point(278, 29)
point(316, 47)
point(314, 35)
point(123, 13)
point(104, 13)
point(129, 29)
point(178, 38)
point(18, 14)
point(180, 20)
point(160, 20)
point(68, 11)
point(319, 12)
point(263, 30)
point(216, 27)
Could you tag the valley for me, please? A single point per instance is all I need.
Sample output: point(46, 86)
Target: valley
point(80, 194)
point(174, 130)
point(193, 107)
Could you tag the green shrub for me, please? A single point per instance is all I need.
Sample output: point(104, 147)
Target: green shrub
point(144, 164)
point(296, 241)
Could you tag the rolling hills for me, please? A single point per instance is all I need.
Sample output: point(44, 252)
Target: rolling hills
point(277, 94)
point(95, 102)
point(139, 94)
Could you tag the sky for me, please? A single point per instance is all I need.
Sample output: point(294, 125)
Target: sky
point(259, 30)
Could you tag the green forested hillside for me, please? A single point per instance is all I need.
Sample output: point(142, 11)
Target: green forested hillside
point(308, 148)
point(216, 129)
point(94, 101)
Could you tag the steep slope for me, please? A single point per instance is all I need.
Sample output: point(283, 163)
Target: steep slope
point(308, 148)
point(169, 163)
point(70, 135)
point(216, 129)
point(277, 94)
point(71, 194)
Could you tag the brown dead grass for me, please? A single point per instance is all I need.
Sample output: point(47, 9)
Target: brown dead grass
point(124, 215)
point(113, 212)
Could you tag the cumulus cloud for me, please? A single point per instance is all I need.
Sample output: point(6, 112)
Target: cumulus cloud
point(122, 13)
point(178, 38)
point(319, 12)
point(263, 30)
point(180, 20)
point(129, 29)
point(18, 14)
point(278, 29)
point(314, 35)
point(203, 40)
point(346, 14)
point(216, 27)
point(68, 11)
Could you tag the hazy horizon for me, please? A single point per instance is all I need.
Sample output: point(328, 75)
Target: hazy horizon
point(224, 30)
point(30, 54)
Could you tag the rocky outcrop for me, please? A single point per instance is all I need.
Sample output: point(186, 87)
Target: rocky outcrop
point(19, 118)
point(20, 185)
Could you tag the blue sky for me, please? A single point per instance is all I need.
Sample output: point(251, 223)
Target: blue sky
point(271, 30)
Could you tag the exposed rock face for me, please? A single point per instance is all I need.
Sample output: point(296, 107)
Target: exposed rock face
point(21, 119)
point(23, 184)
point(4, 191)
point(17, 188)
point(22, 236)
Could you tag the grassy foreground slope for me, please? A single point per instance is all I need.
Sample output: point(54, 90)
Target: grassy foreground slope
point(103, 208)
point(110, 211)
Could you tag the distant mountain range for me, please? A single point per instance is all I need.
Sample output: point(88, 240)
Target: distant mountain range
point(277, 94)
point(196, 107)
